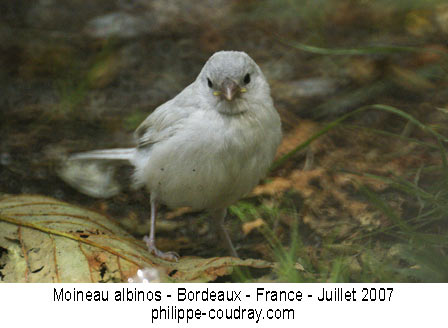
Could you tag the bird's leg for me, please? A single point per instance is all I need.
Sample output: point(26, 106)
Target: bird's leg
point(151, 239)
point(220, 215)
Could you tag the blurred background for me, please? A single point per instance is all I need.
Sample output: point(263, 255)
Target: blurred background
point(366, 200)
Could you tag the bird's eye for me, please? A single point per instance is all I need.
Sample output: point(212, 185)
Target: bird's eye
point(210, 84)
point(246, 78)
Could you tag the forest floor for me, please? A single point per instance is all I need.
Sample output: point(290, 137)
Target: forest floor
point(359, 188)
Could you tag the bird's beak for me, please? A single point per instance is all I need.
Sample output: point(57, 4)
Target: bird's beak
point(230, 89)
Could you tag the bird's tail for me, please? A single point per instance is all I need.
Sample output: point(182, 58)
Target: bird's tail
point(99, 173)
point(124, 154)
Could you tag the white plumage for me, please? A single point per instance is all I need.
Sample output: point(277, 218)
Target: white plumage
point(208, 146)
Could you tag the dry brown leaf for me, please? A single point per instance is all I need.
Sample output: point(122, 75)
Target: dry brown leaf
point(299, 266)
point(330, 202)
point(249, 226)
point(277, 185)
point(46, 240)
point(297, 136)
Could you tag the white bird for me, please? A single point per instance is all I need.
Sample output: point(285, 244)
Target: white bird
point(205, 148)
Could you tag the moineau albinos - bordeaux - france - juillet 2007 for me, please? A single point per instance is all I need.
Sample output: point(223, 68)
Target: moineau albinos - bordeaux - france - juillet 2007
point(336, 294)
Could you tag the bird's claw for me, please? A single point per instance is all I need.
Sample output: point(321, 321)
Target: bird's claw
point(169, 256)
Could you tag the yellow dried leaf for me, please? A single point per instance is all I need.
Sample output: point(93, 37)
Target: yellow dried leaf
point(299, 266)
point(249, 226)
point(297, 136)
point(273, 187)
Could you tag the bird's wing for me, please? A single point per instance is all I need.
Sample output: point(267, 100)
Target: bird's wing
point(165, 120)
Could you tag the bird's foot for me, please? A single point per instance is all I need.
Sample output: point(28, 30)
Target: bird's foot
point(169, 256)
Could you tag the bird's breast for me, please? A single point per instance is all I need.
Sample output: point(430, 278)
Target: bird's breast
point(211, 162)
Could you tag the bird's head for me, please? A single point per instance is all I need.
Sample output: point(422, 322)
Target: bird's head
point(231, 81)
